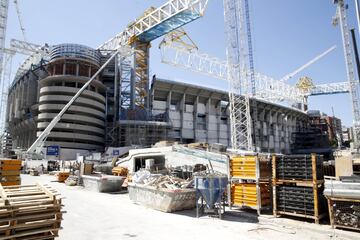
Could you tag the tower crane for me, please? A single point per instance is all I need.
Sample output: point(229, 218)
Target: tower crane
point(341, 19)
point(240, 70)
point(154, 23)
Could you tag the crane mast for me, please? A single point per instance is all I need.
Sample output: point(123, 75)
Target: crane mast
point(341, 19)
point(241, 84)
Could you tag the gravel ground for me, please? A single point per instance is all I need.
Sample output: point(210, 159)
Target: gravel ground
point(92, 215)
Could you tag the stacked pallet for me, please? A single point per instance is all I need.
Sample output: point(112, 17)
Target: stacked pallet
point(10, 172)
point(298, 185)
point(29, 212)
point(250, 182)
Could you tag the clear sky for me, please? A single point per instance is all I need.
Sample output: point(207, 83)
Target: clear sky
point(286, 35)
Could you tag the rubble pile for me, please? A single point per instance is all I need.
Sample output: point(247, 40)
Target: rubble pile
point(161, 181)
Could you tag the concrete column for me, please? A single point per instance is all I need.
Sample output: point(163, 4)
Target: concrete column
point(77, 69)
point(182, 109)
point(64, 69)
point(207, 115)
point(196, 107)
point(218, 120)
point(168, 103)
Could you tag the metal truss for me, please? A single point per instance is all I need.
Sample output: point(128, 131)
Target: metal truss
point(267, 88)
point(16, 2)
point(240, 84)
point(4, 86)
point(24, 47)
point(154, 23)
point(141, 76)
point(157, 22)
point(341, 18)
point(125, 84)
point(4, 6)
point(329, 88)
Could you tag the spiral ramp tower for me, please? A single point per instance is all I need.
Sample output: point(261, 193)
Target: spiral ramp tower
point(82, 127)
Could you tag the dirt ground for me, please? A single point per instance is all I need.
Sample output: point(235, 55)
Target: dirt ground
point(92, 215)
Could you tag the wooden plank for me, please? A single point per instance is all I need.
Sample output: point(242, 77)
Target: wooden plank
point(3, 195)
point(10, 162)
point(10, 183)
point(10, 167)
point(46, 191)
point(27, 233)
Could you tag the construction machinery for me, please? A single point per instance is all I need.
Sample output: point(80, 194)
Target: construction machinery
point(341, 19)
point(131, 49)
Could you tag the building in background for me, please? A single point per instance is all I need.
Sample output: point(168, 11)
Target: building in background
point(327, 124)
point(177, 111)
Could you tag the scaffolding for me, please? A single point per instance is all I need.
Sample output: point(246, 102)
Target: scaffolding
point(141, 128)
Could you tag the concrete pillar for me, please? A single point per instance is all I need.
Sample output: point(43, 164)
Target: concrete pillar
point(207, 116)
point(182, 109)
point(77, 69)
point(196, 108)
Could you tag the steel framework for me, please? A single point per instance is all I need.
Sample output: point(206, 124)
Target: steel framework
point(341, 18)
point(240, 85)
point(267, 88)
point(330, 88)
point(153, 24)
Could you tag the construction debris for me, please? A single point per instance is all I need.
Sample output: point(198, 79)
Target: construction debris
point(120, 171)
point(160, 181)
point(72, 180)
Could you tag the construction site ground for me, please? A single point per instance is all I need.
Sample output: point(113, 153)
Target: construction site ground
point(92, 215)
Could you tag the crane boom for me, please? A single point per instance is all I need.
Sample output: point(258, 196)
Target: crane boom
point(267, 88)
point(21, 23)
point(123, 52)
point(308, 64)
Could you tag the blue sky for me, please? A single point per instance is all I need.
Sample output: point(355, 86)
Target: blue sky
point(286, 34)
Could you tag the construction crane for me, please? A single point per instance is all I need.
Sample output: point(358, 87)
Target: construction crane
point(6, 56)
point(308, 64)
point(153, 24)
point(21, 23)
point(341, 19)
point(239, 59)
point(178, 52)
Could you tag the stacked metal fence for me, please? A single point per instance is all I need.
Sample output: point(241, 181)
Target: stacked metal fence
point(298, 183)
